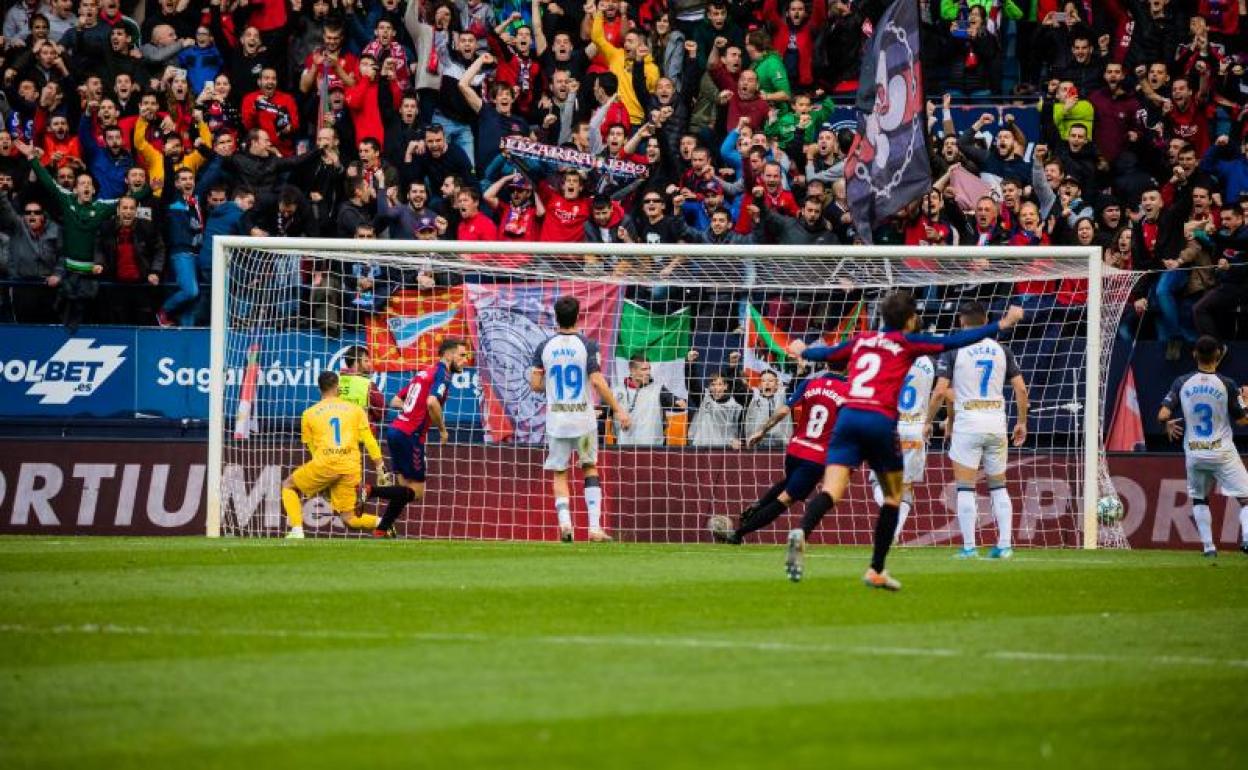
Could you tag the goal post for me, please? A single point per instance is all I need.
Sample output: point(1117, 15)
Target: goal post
point(283, 309)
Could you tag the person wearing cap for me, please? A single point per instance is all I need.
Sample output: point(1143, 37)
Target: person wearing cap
point(697, 209)
point(518, 217)
point(1071, 207)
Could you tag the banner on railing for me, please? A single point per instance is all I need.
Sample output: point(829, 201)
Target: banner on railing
point(152, 488)
point(127, 373)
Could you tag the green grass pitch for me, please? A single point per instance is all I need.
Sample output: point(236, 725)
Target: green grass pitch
point(191, 653)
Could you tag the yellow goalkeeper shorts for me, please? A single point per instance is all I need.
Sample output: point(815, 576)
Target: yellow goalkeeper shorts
point(338, 484)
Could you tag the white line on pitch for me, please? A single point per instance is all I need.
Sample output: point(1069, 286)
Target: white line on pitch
point(653, 642)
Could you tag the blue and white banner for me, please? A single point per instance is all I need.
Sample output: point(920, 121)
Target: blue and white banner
point(114, 372)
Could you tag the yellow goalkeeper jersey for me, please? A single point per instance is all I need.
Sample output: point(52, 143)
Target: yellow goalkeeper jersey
point(333, 430)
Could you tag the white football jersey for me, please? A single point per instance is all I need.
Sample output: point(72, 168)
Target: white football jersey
point(916, 394)
point(568, 360)
point(978, 374)
point(1210, 404)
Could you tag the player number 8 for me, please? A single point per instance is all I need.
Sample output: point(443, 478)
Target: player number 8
point(818, 418)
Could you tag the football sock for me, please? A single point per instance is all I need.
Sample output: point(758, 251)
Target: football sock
point(1204, 522)
point(877, 491)
point(770, 496)
point(1004, 510)
point(903, 512)
point(392, 492)
point(563, 509)
point(885, 527)
point(593, 501)
point(364, 521)
point(966, 515)
point(398, 498)
point(761, 518)
point(1243, 520)
point(816, 509)
point(293, 508)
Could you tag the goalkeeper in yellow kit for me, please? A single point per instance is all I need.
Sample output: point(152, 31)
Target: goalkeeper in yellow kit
point(333, 430)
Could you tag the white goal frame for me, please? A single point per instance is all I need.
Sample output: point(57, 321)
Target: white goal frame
point(220, 283)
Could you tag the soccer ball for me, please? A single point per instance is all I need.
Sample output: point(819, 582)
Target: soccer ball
point(1109, 509)
point(719, 525)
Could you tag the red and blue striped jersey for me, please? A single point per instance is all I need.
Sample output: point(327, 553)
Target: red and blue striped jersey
point(878, 362)
point(815, 403)
point(414, 415)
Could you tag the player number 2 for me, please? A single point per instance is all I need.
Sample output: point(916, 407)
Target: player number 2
point(1204, 416)
point(908, 394)
point(336, 424)
point(818, 418)
point(867, 367)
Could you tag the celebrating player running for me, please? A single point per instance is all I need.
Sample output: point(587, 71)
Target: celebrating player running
point(866, 429)
point(420, 407)
point(816, 400)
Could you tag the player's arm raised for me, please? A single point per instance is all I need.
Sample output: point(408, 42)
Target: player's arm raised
point(837, 354)
point(964, 337)
point(775, 419)
point(604, 392)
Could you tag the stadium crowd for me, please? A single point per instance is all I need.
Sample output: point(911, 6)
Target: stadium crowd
point(134, 135)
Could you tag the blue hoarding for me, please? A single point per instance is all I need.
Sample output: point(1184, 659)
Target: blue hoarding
point(145, 372)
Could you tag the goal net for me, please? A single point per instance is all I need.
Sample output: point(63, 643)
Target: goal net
point(696, 341)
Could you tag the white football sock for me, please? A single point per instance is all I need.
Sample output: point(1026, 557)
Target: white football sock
point(1004, 510)
point(593, 501)
point(902, 513)
point(1204, 524)
point(1243, 523)
point(877, 491)
point(564, 510)
point(966, 516)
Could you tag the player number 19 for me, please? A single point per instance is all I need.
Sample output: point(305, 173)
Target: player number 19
point(569, 381)
point(867, 367)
